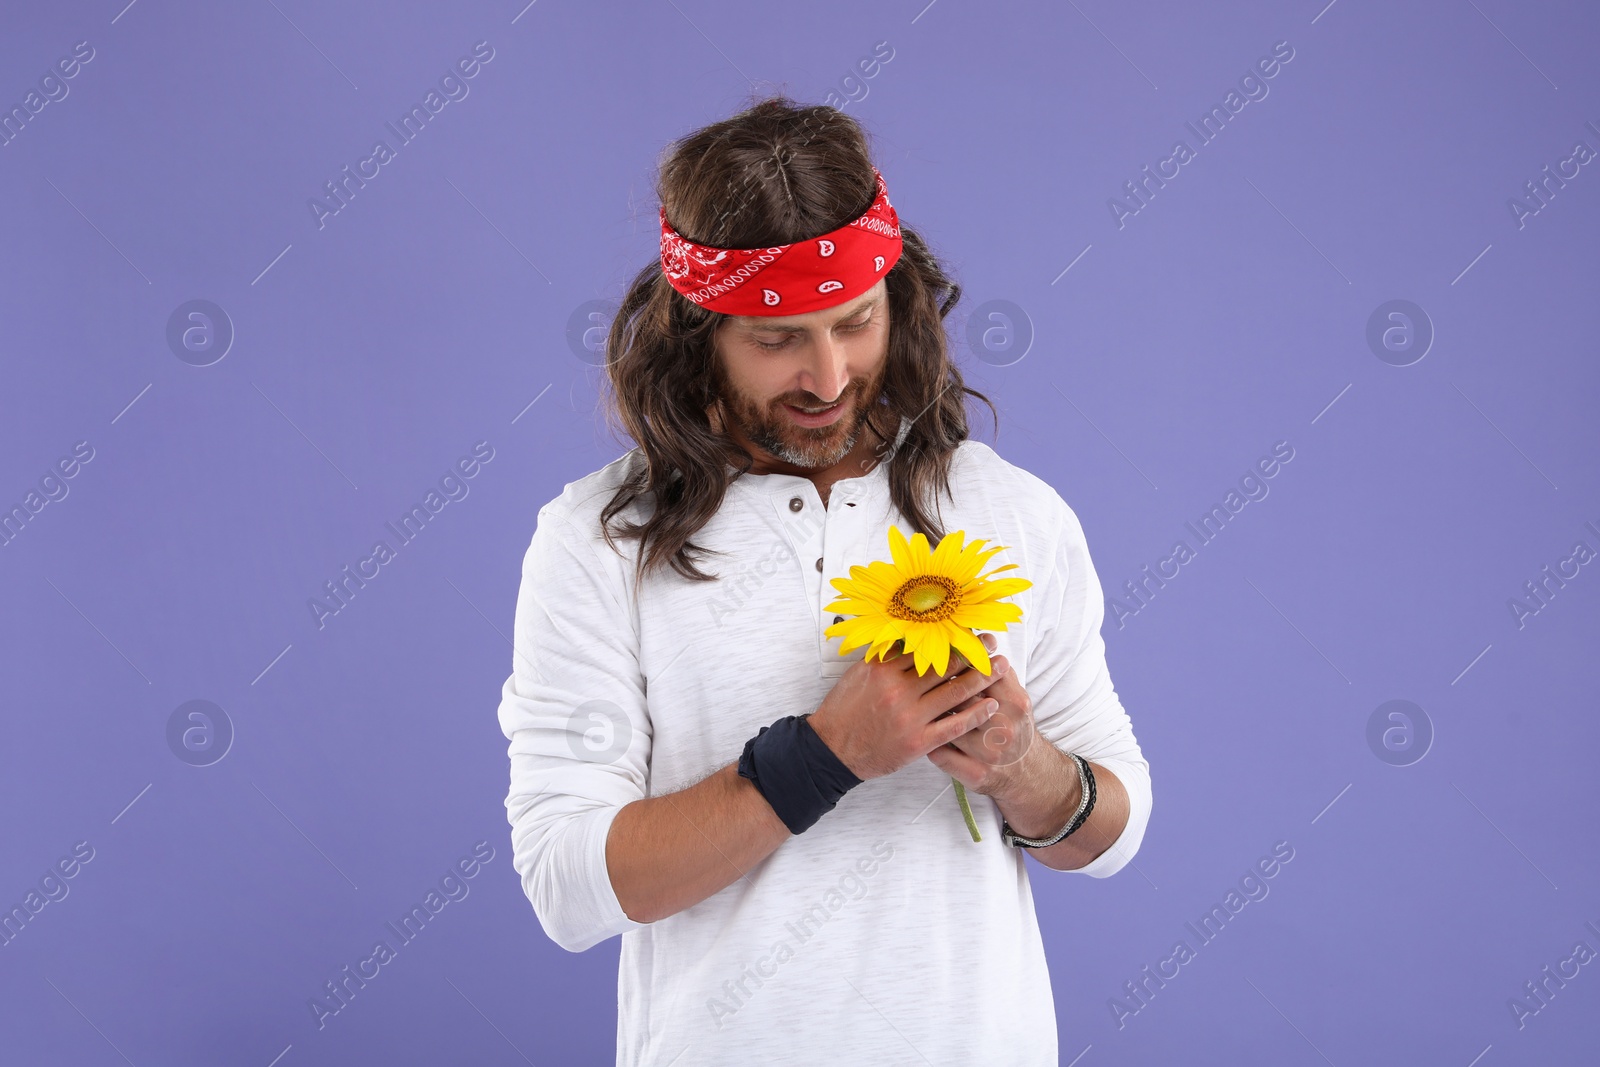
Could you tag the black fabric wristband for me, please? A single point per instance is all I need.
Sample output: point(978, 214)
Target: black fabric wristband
point(796, 771)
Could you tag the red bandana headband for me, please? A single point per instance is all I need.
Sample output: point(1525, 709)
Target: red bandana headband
point(789, 279)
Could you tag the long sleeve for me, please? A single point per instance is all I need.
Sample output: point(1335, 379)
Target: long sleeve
point(1075, 705)
point(574, 712)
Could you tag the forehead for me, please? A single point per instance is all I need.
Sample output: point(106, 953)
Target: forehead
point(822, 316)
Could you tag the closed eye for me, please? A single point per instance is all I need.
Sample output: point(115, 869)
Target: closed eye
point(785, 342)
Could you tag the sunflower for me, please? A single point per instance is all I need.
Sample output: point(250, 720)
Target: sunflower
point(930, 601)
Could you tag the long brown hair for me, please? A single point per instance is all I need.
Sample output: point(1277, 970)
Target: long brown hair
point(776, 173)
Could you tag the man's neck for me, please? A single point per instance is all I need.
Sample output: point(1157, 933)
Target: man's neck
point(860, 460)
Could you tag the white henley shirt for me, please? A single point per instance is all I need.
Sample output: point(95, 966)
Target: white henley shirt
point(884, 933)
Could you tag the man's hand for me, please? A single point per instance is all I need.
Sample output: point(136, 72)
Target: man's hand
point(882, 715)
point(986, 759)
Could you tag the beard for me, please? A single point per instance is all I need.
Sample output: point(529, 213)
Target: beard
point(768, 426)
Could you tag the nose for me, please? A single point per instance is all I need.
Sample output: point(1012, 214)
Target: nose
point(827, 373)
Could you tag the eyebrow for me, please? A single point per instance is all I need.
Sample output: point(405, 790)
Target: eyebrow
point(757, 325)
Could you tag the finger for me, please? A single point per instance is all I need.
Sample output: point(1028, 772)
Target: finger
point(972, 680)
point(988, 740)
point(995, 743)
point(963, 706)
point(947, 729)
point(957, 764)
point(949, 692)
point(934, 682)
point(929, 679)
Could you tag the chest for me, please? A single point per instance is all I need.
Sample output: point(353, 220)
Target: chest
point(722, 659)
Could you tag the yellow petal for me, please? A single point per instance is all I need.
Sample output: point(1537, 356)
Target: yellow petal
point(880, 584)
point(986, 616)
point(997, 570)
point(851, 643)
point(996, 589)
point(921, 557)
point(900, 550)
point(968, 566)
point(937, 644)
point(970, 646)
point(916, 637)
point(936, 562)
point(886, 641)
point(867, 595)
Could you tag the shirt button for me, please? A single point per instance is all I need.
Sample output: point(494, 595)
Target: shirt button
point(795, 503)
point(819, 563)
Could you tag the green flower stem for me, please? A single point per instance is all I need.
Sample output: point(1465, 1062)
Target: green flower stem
point(966, 811)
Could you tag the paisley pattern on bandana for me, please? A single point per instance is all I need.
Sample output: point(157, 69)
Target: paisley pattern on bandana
point(789, 279)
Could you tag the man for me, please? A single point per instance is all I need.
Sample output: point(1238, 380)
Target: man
point(769, 824)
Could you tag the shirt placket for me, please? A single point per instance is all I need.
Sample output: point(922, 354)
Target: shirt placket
point(803, 520)
point(822, 540)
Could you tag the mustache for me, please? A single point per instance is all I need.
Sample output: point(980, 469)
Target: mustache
point(815, 403)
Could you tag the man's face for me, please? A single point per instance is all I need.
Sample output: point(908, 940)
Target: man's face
point(837, 355)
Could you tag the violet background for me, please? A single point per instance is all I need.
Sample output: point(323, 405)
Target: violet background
point(435, 311)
